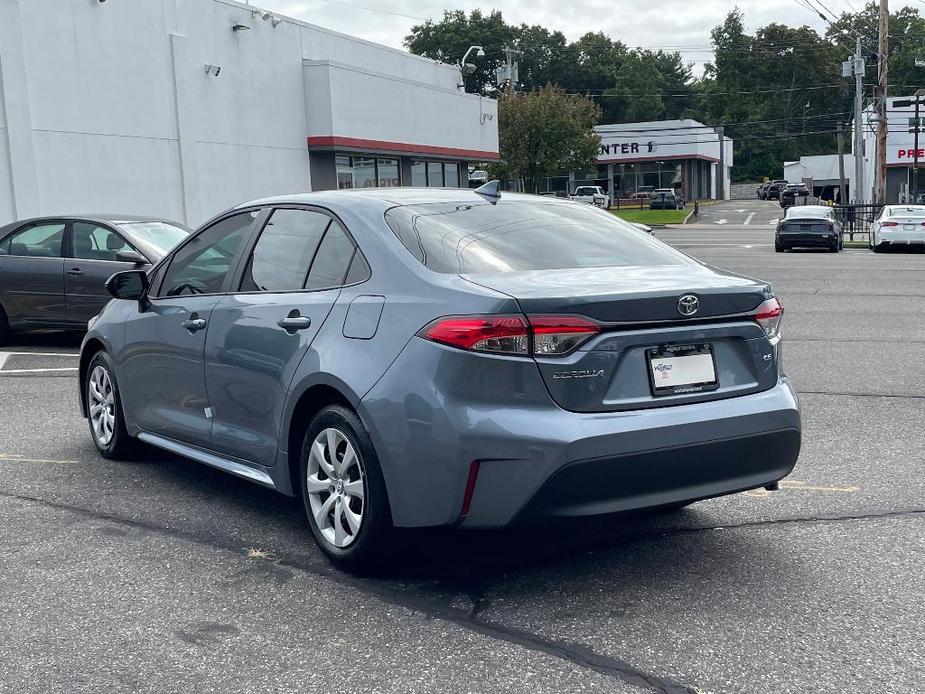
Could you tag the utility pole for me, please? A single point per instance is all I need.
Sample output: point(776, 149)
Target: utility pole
point(882, 79)
point(721, 173)
point(841, 165)
point(511, 72)
point(857, 191)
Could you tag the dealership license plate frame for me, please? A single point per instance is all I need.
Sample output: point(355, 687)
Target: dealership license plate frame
point(665, 352)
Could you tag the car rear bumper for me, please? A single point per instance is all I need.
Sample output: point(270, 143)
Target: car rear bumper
point(807, 240)
point(535, 459)
point(901, 238)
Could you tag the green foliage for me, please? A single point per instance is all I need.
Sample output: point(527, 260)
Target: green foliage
point(545, 131)
point(778, 91)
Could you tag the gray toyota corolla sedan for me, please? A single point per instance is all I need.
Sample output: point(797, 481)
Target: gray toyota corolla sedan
point(433, 357)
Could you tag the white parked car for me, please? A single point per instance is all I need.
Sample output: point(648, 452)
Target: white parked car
point(898, 225)
point(593, 195)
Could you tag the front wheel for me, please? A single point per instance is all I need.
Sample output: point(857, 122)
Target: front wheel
point(104, 410)
point(343, 491)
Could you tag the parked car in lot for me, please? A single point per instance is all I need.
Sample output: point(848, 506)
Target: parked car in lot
point(774, 189)
point(898, 225)
point(808, 226)
point(673, 191)
point(53, 269)
point(437, 357)
point(792, 192)
point(665, 201)
point(593, 195)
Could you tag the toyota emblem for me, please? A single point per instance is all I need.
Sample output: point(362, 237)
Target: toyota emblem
point(688, 305)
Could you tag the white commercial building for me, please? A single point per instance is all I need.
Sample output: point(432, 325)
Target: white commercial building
point(900, 150)
point(821, 173)
point(681, 154)
point(181, 108)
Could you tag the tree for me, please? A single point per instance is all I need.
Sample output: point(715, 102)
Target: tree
point(449, 39)
point(546, 131)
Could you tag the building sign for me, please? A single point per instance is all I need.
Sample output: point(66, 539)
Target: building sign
point(904, 153)
point(614, 148)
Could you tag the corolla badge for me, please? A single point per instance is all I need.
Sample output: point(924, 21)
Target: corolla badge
point(579, 373)
point(688, 305)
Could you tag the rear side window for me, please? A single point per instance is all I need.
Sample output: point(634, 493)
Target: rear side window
point(284, 251)
point(38, 241)
point(332, 260)
point(523, 236)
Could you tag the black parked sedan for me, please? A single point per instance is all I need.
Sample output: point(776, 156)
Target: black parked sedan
point(808, 226)
point(52, 269)
point(665, 201)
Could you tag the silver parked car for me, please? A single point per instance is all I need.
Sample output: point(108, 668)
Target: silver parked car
point(53, 269)
point(433, 357)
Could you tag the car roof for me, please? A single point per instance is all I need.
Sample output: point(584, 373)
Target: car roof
point(385, 198)
point(102, 218)
point(808, 211)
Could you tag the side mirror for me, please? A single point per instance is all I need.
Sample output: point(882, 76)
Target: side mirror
point(130, 256)
point(131, 284)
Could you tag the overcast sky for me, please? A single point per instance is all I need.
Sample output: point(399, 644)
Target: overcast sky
point(681, 24)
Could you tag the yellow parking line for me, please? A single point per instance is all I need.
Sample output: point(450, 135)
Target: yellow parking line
point(797, 485)
point(8, 458)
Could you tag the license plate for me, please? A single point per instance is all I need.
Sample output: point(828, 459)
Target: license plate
point(909, 227)
point(679, 369)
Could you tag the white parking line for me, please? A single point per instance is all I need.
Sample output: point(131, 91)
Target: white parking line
point(3, 357)
point(748, 219)
point(36, 371)
point(40, 354)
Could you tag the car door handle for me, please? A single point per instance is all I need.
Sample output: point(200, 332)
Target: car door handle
point(194, 324)
point(75, 271)
point(292, 323)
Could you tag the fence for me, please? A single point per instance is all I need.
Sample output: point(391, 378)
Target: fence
point(856, 219)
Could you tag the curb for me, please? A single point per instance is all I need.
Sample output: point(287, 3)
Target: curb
point(688, 217)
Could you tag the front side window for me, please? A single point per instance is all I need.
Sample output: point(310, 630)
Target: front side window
point(201, 265)
point(38, 241)
point(521, 236)
point(94, 242)
point(284, 251)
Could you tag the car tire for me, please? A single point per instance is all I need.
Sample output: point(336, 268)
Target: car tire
point(779, 247)
point(5, 332)
point(107, 424)
point(877, 248)
point(328, 504)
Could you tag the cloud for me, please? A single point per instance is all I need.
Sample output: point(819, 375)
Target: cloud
point(671, 24)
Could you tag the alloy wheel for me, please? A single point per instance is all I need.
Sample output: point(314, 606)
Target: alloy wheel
point(335, 487)
point(102, 405)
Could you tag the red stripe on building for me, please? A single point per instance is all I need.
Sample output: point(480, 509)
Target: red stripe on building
point(404, 147)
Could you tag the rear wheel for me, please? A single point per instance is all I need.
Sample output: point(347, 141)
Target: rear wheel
point(779, 247)
point(877, 248)
point(343, 491)
point(104, 410)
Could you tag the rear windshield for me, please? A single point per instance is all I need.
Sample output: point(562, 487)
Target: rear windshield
point(521, 236)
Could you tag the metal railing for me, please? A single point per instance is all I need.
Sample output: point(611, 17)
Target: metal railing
point(856, 219)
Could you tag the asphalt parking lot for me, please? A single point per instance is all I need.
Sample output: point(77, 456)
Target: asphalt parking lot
point(161, 575)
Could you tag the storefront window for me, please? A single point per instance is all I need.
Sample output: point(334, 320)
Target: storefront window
point(388, 173)
point(344, 172)
point(434, 174)
point(451, 172)
point(364, 172)
point(419, 174)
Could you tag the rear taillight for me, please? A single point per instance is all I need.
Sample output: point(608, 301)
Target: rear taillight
point(557, 335)
point(550, 335)
point(496, 334)
point(768, 316)
point(889, 224)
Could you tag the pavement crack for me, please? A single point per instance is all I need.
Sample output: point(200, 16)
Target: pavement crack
point(577, 654)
